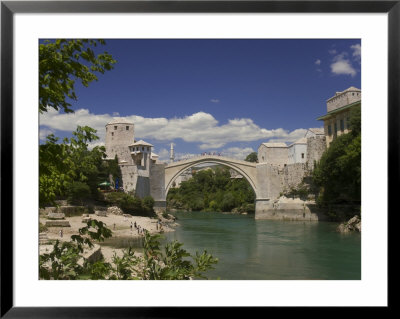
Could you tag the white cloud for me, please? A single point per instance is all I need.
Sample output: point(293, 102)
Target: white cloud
point(237, 152)
point(333, 51)
point(342, 65)
point(214, 100)
point(43, 132)
point(291, 137)
point(356, 52)
point(199, 127)
point(318, 62)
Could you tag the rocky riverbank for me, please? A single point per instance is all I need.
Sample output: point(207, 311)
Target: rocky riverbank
point(353, 224)
point(119, 223)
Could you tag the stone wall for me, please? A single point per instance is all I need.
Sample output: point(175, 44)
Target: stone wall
point(343, 99)
point(269, 181)
point(129, 177)
point(157, 186)
point(142, 186)
point(316, 146)
point(290, 210)
point(273, 155)
point(293, 175)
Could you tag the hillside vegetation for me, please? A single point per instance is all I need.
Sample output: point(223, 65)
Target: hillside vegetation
point(213, 190)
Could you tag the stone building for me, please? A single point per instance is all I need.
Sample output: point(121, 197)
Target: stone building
point(273, 153)
point(135, 158)
point(297, 151)
point(337, 118)
point(289, 164)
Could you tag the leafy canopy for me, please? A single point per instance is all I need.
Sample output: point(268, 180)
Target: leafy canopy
point(212, 190)
point(338, 173)
point(63, 62)
point(252, 157)
point(60, 164)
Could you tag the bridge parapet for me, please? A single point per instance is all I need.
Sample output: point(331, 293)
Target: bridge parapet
point(212, 158)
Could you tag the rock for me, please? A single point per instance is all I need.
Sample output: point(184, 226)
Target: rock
point(115, 210)
point(86, 219)
point(54, 215)
point(102, 213)
point(127, 215)
point(57, 223)
point(43, 239)
point(353, 224)
point(93, 254)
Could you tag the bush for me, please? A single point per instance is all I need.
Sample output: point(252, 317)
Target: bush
point(114, 198)
point(77, 192)
point(148, 204)
point(228, 202)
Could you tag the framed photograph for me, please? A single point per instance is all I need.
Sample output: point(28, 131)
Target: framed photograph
point(147, 107)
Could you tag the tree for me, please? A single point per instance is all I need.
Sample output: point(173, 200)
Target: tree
point(77, 192)
point(171, 263)
point(252, 157)
point(63, 62)
point(60, 164)
point(338, 173)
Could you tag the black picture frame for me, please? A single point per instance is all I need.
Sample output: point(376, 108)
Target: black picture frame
point(9, 8)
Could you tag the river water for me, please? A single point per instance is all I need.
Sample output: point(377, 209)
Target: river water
point(250, 249)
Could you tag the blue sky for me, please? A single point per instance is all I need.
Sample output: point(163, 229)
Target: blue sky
point(214, 95)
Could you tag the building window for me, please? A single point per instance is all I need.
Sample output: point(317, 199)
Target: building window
point(142, 148)
point(348, 122)
point(335, 128)
point(115, 127)
point(302, 155)
point(127, 128)
point(329, 130)
point(342, 125)
point(112, 133)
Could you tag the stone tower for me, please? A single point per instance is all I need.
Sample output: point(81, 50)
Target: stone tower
point(119, 135)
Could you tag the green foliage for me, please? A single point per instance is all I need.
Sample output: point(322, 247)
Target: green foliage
point(62, 262)
point(355, 120)
point(131, 204)
point(148, 204)
point(61, 164)
point(252, 157)
point(211, 190)
point(61, 63)
point(77, 192)
point(301, 191)
point(338, 173)
point(171, 263)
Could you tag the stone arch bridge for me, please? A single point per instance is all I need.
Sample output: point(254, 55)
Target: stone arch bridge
point(261, 177)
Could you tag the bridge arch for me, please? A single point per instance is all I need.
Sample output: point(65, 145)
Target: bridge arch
point(246, 169)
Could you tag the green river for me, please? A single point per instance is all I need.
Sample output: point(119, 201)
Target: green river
point(250, 249)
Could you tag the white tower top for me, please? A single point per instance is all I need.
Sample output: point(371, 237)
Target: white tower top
point(172, 155)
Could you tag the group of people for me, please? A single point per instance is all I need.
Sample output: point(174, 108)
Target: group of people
point(210, 153)
point(141, 231)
